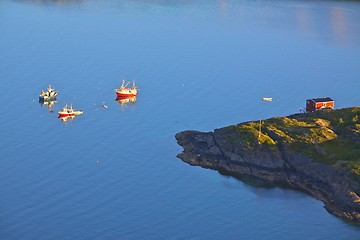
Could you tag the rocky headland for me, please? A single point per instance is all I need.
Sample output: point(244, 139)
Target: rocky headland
point(318, 153)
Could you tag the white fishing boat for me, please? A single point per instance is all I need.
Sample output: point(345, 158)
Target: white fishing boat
point(69, 111)
point(48, 95)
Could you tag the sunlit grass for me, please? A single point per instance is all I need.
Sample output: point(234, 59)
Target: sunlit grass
point(329, 136)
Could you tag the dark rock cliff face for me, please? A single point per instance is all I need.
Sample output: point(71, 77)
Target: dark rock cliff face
point(336, 187)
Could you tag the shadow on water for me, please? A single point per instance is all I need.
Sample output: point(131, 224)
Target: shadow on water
point(258, 183)
point(253, 181)
point(49, 2)
point(138, 2)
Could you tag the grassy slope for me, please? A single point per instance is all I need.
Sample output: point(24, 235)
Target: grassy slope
point(329, 136)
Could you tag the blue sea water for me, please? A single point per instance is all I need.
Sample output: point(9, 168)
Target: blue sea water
point(113, 173)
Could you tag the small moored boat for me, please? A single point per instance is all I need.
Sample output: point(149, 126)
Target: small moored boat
point(267, 99)
point(124, 91)
point(69, 111)
point(48, 95)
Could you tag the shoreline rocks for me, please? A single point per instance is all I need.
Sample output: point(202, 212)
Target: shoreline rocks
point(337, 188)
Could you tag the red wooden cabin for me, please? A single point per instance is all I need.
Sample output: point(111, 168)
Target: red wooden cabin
point(319, 103)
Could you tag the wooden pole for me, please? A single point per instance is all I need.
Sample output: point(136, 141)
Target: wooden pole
point(260, 129)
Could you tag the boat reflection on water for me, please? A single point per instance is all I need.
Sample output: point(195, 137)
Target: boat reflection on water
point(123, 101)
point(49, 104)
point(67, 118)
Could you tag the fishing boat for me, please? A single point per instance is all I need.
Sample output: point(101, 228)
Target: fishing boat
point(69, 111)
point(125, 91)
point(48, 95)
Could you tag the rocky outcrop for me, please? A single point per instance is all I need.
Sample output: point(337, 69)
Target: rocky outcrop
point(337, 187)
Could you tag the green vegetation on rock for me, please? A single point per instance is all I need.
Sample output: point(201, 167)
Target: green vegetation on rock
point(249, 134)
point(329, 136)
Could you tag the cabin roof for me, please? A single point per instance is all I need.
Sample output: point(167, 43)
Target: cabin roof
point(324, 99)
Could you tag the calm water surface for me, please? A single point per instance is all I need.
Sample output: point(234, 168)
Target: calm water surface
point(113, 173)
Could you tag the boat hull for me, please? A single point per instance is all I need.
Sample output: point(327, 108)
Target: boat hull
point(125, 95)
point(66, 114)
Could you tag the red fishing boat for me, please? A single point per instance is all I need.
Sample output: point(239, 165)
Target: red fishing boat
point(69, 111)
point(124, 91)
